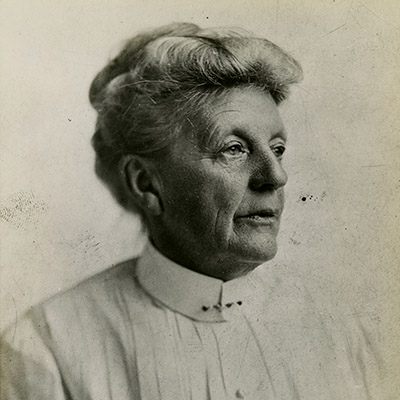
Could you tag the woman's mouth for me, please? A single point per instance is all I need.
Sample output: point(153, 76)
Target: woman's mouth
point(263, 217)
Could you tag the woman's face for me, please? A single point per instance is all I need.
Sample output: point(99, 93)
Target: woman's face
point(222, 197)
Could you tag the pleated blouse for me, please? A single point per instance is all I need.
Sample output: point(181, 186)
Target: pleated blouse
point(151, 329)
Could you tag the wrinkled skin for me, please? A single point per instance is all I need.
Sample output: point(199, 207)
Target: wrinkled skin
point(222, 196)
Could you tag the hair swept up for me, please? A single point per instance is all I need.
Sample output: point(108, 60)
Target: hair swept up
point(162, 79)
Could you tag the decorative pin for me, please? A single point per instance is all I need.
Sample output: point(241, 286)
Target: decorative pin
point(219, 306)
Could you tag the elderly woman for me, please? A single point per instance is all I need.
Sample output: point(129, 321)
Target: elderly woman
point(189, 136)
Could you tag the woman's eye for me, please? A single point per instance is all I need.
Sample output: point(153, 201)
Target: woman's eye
point(235, 150)
point(279, 150)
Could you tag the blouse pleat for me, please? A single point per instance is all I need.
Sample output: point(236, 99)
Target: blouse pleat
point(214, 375)
point(194, 357)
point(179, 355)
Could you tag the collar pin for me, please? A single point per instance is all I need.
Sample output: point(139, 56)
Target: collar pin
point(219, 306)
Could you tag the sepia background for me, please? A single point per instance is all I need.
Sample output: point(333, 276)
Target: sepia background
point(340, 231)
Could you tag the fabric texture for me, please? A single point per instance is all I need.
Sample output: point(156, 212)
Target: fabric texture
point(151, 329)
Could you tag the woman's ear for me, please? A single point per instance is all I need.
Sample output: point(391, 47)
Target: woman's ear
point(142, 183)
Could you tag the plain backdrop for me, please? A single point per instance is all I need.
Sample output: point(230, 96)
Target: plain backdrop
point(340, 230)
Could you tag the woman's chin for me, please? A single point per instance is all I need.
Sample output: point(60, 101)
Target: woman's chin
point(255, 251)
point(246, 261)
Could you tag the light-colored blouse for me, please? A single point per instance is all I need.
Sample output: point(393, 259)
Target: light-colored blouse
point(151, 329)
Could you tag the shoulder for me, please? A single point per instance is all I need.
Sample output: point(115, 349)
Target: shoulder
point(101, 300)
point(350, 335)
point(97, 304)
point(65, 337)
point(337, 337)
point(102, 287)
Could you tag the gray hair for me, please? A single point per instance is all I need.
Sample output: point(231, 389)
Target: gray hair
point(161, 81)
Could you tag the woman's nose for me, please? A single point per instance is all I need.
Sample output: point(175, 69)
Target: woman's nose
point(268, 174)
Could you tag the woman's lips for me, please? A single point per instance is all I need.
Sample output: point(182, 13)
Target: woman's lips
point(262, 217)
point(264, 213)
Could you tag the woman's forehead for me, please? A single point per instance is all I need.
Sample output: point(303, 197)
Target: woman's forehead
point(246, 111)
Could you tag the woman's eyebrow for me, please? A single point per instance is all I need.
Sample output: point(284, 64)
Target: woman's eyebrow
point(246, 134)
point(280, 134)
point(215, 130)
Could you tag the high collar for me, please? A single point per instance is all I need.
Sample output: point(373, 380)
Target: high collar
point(194, 295)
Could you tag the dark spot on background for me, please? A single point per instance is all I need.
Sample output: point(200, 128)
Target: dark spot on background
point(22, 210)
point(311, 197)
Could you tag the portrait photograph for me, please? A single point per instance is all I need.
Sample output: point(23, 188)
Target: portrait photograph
point(200, 200)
